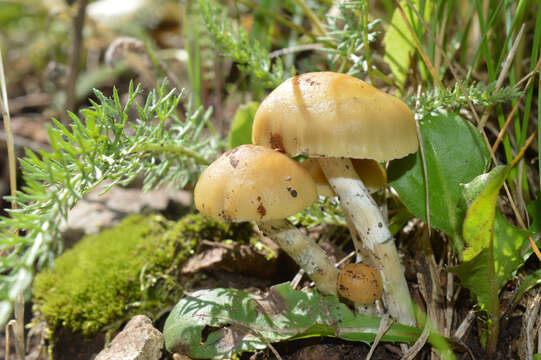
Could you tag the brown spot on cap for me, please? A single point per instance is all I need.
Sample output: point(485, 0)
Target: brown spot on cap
point(234, 162)
point(277, 143)
point(293, 192)
point(261, 210)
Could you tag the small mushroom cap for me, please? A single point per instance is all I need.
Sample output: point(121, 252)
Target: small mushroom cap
point(253, 183)
point(360, 283)
point(370, 171)
point(326, 114)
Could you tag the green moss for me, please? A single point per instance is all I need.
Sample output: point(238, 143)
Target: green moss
point(131, 268)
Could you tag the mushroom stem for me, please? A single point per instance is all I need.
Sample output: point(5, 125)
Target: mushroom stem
point(306, 253)
point(374, 233)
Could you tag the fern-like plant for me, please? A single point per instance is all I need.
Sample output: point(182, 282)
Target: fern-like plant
point(101, 144)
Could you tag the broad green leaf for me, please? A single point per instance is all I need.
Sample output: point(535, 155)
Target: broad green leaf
point(240, 131)
point(239, 321)
point(455, 154)
point(479, 221)
point(484, 226)
point(474, 275)
point(509, 242)
point(398, 40)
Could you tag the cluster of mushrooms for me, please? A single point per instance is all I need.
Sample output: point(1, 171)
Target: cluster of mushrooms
point(344, 126)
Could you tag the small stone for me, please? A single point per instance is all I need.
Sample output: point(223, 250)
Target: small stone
point(138, 341)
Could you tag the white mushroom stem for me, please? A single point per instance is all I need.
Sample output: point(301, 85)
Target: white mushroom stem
point(374, 233)
point(306, 253)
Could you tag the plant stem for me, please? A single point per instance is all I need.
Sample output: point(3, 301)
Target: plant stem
point(373, 231)
point(78, 24)
point(306, 253)
point(9, 136)
point(312, 17)
point(171, 149)
point(494, 305)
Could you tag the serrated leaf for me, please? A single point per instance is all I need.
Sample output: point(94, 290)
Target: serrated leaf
point(455, 154)
point(398, 40)
point(240, 321)
point(240, 131)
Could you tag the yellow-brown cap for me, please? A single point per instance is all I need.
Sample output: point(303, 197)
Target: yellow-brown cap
point(253, 183)
point(370, 171)
point(360, 283)
point(326, 114)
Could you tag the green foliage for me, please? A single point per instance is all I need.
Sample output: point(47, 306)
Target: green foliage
point(455, 153)
point(237, 44)
point(348, 38)
point(495, 247)
point(102, 145)
point(457, 97)
point(484, 228)
point(240, 131)
point(399, 41)
point(324, 210)
point(245, 322)
point(129, 269)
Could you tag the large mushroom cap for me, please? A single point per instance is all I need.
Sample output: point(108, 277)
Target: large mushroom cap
point(329, 114)
point(370, 171)
point(253, 183)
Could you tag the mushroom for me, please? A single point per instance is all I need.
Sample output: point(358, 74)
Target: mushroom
point(360, 283)
point(336, 117)
point(254, 183)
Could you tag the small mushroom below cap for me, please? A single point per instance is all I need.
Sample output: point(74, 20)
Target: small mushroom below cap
point(360, 283)
point(256, 183)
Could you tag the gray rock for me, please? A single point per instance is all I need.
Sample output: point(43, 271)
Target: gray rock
point(100, 211)
point(138, 341)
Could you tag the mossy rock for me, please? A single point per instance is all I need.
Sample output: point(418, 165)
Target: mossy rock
point(130, 269)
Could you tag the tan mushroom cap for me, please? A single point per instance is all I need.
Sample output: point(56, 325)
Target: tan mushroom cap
point(360, 283)
point(370, 171)
point(253, 183)
point(326, 114)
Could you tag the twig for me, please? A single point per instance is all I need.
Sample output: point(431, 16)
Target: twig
point(384, 326)
point(9, 136)
point(449, 309)
point(8, 338)
point(78, 24)
point(465, 325)
point(293, 49)
point(523, 150)
point(19, 326)
point(421, 341)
